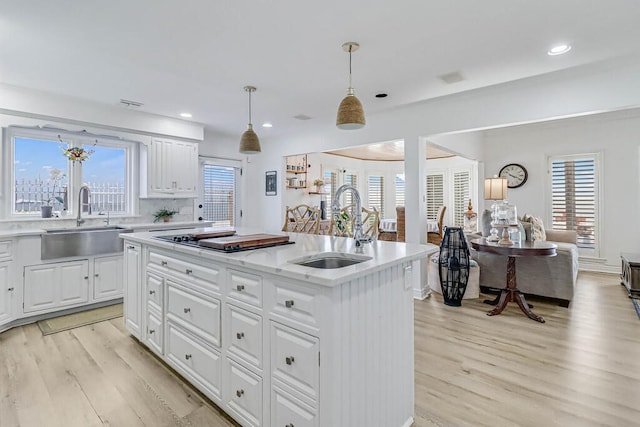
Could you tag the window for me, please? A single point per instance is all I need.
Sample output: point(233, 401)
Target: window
point(435, 195)
point(331, 184)
point(352, 180)
point(400, 190)
point(461, 182)
point(574, 198)
point(42, 175)
point(219, 193)
point(375, 193)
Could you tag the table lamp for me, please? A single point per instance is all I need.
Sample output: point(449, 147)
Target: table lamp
point(495, 189)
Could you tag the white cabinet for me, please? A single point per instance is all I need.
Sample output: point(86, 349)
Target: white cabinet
point(7, 291)
point(107, 277)
point(56, 285)
point(243, 394)
point(132, 287)
point(169, 169)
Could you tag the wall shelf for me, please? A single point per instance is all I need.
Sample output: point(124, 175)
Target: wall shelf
point(296, 172)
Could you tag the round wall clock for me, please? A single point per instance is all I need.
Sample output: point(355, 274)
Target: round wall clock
point(515, 174)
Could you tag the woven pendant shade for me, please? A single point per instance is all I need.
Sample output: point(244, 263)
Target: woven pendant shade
point(350, 113)
point(249, 143)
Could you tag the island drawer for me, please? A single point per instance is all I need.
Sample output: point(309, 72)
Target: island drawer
point(197, 313)
point(244, 335)
point(245, 287)
point(154, 291)
point(286, 410)
point(6, 250)
point(296, 303)
point(201, 365)
point(154, 333)
point(204, 277)
point(295, 359)
point(243, 393)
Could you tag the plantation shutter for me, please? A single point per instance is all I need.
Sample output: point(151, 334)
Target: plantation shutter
point(352, 180)
point(331, 185)
point(574, 195)
point(435, 195)
point(461, 183)
point(219, 194)
point(376, 193)
point(399, 190)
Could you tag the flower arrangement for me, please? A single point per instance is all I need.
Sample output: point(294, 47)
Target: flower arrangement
point(318, 182)
point(55, 176)
point(164, 214)
point(76, 154)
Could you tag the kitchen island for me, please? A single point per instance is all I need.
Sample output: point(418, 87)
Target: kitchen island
point(275, 343)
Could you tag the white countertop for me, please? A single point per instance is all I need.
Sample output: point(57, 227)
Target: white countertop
point(177, 225)
point(276, 260)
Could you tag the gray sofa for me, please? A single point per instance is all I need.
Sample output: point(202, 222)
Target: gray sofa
point(553, 277)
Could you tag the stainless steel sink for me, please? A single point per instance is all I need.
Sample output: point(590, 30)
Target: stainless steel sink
point(69, 242)
point(330, 260)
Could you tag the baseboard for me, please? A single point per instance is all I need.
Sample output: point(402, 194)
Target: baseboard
point(422, 293)
point(597, 265)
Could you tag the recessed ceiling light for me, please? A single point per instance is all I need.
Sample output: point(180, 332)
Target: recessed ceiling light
point(186, 115)
point(267, 125)
point(559, 49)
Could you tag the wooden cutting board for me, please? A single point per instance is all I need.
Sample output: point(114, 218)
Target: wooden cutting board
point(203, 234)
point(243, 241)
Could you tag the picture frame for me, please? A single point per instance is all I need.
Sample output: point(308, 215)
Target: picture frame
point(271, 181)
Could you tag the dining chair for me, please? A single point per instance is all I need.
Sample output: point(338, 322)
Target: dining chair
point(302, 219)
point(436, 237)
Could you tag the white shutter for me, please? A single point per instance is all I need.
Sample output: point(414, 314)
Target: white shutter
point(435, 195)
point(331, 185)
point(375, 193)
point(219, 194)
point(352, 180)
point(574, 197)
point(461, 183)
point(400, 190)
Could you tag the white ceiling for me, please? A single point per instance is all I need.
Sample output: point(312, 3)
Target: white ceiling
point(196, 55)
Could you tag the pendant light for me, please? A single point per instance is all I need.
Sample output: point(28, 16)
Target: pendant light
point(249, 143)
point(350, 112)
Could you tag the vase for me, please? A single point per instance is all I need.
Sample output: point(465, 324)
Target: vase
point(46, 211)
point(453, 264)
point(166, 218)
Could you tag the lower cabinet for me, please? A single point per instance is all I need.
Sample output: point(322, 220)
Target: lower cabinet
point(7, 291)
point(132, 284)
point(56, 285)
point(243, 394)
point(107, 277)
point(286, 410)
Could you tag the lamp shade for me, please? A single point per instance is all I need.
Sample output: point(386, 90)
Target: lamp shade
point(249, 143)
point(350, 113)
point(495, 188)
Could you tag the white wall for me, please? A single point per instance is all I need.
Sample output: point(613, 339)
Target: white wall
point(614, 135)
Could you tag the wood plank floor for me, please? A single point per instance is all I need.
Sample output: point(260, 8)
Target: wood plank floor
point(581, 368)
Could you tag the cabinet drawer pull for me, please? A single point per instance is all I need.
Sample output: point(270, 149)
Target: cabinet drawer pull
point(151, 292)
point(240, 335)
point(188, 271)
point(163, 263)
point(187, 310)
point(10, 289)
point(152, 331)
point(86, 277)
point(289, 360)
point(187, 356)
point(240, 288)
point(96, 275)
point(131, 247)
point(288, 303)
point(239, 393)
point(289, 425)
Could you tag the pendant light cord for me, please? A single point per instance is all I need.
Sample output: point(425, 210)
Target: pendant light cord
point(350, 84)
point(249, 107)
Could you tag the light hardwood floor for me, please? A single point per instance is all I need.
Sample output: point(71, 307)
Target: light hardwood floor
point(581, 368)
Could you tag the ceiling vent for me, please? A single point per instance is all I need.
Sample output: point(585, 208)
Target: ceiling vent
point(451, 78)
point(131, 104)
point(302, 117)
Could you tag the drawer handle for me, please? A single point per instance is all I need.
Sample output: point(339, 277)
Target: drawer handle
point(239, 393)
point(187, 356)
point(240, 335)
point(86, 277)
point(289, 360)
point(188, 271)
point(240, 288)
point(187, 310)
point(152, 292)
point(289, 425)
point(96, 275)
point(10, 289)
point(151, 331)
point(131, 247)
point(163, 263)
point(288, 303)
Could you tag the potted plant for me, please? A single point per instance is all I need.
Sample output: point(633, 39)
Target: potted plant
point(55, 176)
point(319, 183)
point(164, 214)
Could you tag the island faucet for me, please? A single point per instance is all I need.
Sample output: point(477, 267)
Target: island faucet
point(85, 188)
point(358, 233)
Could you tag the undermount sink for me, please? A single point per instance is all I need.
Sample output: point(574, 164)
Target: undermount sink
point(68, 242)
point(330, 260)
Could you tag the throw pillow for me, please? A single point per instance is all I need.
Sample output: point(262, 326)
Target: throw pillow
point(537, 228)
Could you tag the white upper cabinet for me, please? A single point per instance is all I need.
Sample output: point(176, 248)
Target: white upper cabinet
point(169, 169)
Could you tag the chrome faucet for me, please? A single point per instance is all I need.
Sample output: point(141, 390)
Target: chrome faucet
point(85, 188)
point(358, 233)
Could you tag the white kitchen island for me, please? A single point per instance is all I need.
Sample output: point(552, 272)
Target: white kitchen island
point(274, 343)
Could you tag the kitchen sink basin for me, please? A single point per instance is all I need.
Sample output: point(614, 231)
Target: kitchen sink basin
point(330, 260)
point(70, 242)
